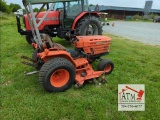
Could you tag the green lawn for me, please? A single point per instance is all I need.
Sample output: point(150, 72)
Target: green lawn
point(23, 97)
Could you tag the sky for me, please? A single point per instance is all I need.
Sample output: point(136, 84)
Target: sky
point(119, 3)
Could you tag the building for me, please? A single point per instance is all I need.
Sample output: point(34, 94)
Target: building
point(122, 12)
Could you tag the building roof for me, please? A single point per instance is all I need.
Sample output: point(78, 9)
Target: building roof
point(102, 8)
point(44, 1)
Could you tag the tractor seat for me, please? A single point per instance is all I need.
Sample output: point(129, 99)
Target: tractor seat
point(48, 43)
point(74, 53)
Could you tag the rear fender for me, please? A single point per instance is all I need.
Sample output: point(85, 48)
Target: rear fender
point(48, 55)
point(82, 15)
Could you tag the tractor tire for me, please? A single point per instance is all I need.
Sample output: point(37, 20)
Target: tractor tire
point(57, 75)
point(29, 39)
point(106, 65)
point(89, 26)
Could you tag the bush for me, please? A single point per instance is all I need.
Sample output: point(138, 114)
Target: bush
point(137, 17)
point(6, 16)
point(152, 15)
point(3, 16)
point(7, 19)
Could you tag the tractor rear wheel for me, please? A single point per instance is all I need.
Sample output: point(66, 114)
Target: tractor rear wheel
point(57, 75)
point(106, 65)
point(89, 25)
point(29, 39)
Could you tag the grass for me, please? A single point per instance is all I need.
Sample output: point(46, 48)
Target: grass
point(141, 20)
point(23, 97)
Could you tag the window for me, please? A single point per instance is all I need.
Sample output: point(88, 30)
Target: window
point(85, 5)
point(58, 6)
point(73, 8)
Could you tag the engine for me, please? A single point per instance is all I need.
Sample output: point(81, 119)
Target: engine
point(92, 45)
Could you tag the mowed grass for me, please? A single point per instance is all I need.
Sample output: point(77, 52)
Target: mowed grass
point(23, 98)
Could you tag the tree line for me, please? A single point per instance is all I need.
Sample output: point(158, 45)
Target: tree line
point(12, 7)
point(8, 8)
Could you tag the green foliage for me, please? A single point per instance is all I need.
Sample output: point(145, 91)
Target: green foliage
point(4, 7)
point(91, 5)
point(152, 15)
point(137, 17)
point(3, 16)
point(141, 18)
point(110, 19)
point(37, 9)
point(24, 11)
point(8, 8)
point(43, 10)
point(7, 19)
point(6, 16)
point(14, 7)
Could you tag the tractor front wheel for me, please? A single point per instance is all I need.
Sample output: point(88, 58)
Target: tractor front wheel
point(57, 75)
point(89, 25)
point(106, 65)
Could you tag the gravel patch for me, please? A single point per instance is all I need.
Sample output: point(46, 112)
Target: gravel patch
point(146, 32)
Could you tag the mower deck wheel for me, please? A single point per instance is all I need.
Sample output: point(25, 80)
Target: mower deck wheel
point(57, 75)
point(106, 65)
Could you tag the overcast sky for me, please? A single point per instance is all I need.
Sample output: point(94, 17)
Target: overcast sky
point(120, 3)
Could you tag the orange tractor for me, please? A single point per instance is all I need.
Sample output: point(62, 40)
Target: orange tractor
point(61, 17)
point(58, 67)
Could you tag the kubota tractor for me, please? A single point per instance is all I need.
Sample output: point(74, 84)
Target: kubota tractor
point(62, 16)
point(58, 67)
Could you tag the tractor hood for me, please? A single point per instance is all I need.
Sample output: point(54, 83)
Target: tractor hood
point(52, 19)
point(93, 45)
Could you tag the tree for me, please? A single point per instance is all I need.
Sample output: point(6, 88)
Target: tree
point(43, 10)
point(35, 9)
point(4, 7)
point(14, 7)
point(90, 5)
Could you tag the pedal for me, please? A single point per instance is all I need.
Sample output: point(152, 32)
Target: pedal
point(27, 58)
point(31, 73)
point(28, 63)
